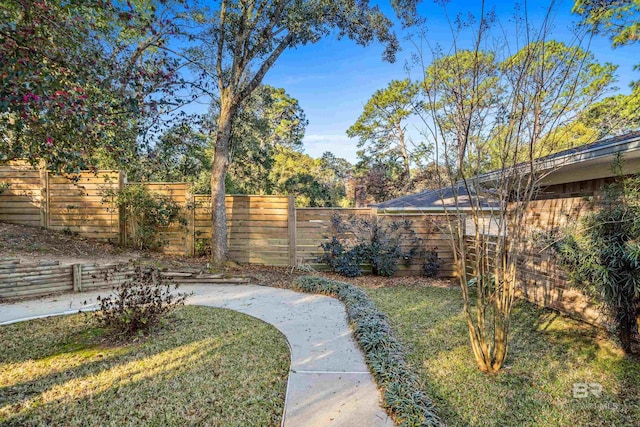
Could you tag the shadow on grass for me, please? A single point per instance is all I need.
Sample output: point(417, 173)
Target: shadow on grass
point(190, 370)
point(548, 354)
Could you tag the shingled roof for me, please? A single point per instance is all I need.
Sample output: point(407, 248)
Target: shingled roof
point(438, 199)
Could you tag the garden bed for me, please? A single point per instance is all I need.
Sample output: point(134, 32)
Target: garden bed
point(202, 366)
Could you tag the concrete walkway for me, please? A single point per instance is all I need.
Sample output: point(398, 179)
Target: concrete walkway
point(329, 383)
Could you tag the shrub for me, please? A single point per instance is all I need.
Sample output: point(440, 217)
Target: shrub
point(4, 186)
point(203, 247)
point(144, 213)
point(432, 263)
point(139, 303)
point(342, 261)
point(369, 240)
point(384, 354)
point(603, 256)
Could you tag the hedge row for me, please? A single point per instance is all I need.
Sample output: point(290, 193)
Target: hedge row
point(403, 396)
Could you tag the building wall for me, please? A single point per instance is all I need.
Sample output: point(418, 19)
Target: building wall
point(541, 279)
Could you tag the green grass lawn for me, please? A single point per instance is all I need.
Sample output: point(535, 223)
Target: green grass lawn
point(204, 366)
point(548, 354)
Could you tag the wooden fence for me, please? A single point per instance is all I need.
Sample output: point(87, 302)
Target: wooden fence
point(314, 225)
point(266, 230)
point(37, 197)
point(32, 279)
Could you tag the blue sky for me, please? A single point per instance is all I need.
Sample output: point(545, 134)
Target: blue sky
point(333, 79)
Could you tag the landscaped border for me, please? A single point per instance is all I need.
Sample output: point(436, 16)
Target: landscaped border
point(404, 399)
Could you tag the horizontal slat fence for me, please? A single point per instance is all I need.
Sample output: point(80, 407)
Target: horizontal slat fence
point(19, 280)
point(258, 228)
point(82, 204)
point(314, 226)
point(174, 237)
point(266, 230)
point(22, 202)
point(75, 204)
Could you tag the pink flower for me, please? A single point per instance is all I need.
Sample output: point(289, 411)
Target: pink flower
point(49, 140)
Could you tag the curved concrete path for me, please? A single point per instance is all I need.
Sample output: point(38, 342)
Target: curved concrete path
point(329, 383)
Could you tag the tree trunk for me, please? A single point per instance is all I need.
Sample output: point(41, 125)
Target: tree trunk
point(219, 168)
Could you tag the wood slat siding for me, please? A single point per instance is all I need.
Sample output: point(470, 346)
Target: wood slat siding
point(540, 278)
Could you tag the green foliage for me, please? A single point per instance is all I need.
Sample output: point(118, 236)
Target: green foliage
point(432, 263)
point(369, 240)
point(384, 354)
point(203, 247)
point(139, 303)
point(381, 130)
point(145, 212)
point(182, 154)
point(619, 19)
point(314, 182)
point(81, 79)
point(268, 121)
point(603, 256)
point(4, 186)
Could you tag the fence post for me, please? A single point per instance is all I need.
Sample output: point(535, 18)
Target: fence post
point(122, 220)
point(44, 196)
point(190, 211)
point(291, 219)
point(77, 277)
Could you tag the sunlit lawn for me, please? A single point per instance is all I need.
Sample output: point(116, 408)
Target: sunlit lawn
point(548, 354)
point(204, 366)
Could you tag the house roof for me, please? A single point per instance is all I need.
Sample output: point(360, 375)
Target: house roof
point(438, 200)
point(582, 163)
point(591, 161)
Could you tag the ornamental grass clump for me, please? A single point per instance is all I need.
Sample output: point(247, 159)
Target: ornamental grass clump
point(384, 354)
point(138, 303)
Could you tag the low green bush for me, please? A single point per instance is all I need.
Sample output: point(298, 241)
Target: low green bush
point(384, 354)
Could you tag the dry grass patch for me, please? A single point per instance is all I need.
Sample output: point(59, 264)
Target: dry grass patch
point(203, 366)
point(548, 354)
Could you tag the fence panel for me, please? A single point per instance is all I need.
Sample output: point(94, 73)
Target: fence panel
point(80, 204)
point(22, 202)
point(258, 228)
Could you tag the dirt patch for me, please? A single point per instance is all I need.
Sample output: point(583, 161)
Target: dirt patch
point(33, 244)
point(281, 277)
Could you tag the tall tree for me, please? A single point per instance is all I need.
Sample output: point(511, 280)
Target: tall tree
point(244, 40)
point(618, 19)
point(381, 129)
